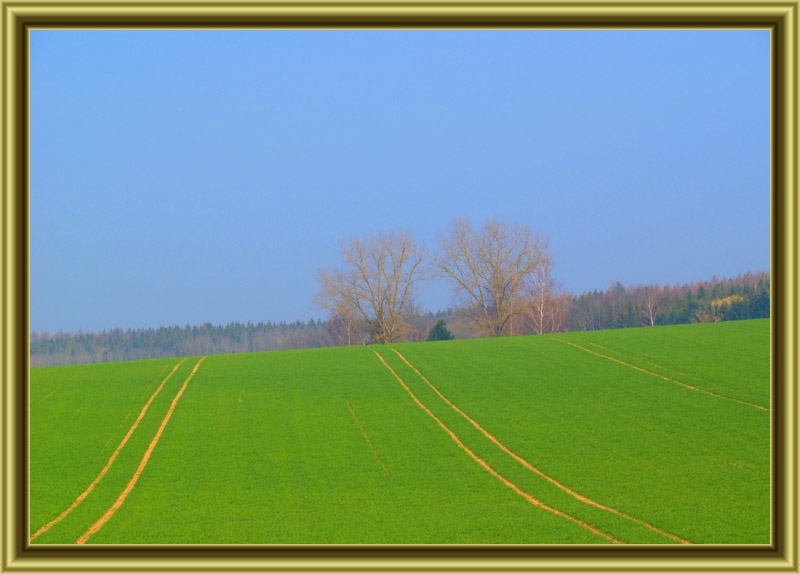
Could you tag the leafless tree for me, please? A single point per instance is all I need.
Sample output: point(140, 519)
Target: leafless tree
point(338, 331)
point(559, 310)
point(543, 305)
point(487, 269)
point(648, 304)
point(373, 290)
point(703, 316)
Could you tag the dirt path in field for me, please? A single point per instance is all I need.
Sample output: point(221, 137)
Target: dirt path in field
point(115, 431)
point(114, 507)
point(532, 468)
point(47, 395)
point(484, 464)
point(369, 442)
point(113, 457)
point(638, 359)
point(745, 467)
point(665, 378)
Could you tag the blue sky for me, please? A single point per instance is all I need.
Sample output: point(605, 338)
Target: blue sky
point(190, 176)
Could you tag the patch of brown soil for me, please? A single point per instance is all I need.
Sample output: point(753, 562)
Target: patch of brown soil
point(113, 457)
point(494, 473)
point(666, 378)
point(532, 468)
point(114, 507)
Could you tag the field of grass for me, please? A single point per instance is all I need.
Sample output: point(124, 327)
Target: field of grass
point(639, 436)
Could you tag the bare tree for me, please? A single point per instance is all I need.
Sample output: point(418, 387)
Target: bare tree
point(542, 302)
point(648, 304)
point(703, 316)
point(559, 310)
point(373, 291)
point(338, 331)
point(487, 269)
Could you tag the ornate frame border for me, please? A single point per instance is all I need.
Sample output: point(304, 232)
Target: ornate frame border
point(18, 16)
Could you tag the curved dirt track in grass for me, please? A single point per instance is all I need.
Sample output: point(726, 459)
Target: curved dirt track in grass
point(114, 507)
point(532, 468)
point(113, 457)
point(484, 464)
point(666, 378)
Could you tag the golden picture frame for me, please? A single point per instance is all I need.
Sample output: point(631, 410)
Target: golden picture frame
point(780, 17)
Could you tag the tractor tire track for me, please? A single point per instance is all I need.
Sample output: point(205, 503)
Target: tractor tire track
point(114, 507)
point(111, 460)
point(369, 442)
point(666, 378)
point(491, 470)
point(532, 468)
point(639, 359)
point(119, 426)
point(47, 395)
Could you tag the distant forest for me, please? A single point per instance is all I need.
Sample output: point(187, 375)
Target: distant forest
point(743, 297)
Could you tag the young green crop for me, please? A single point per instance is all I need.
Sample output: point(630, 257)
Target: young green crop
point(265, 450)
point(352, 445)
point(630, 439)
point(79, 416)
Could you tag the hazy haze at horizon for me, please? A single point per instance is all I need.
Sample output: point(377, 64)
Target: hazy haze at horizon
point(203, 176)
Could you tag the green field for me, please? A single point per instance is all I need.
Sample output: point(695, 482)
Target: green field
point(640, 436)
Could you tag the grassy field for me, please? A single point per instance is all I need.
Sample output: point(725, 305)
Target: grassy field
point(638, 436)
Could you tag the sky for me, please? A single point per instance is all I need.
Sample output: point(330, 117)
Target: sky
point(185, 177)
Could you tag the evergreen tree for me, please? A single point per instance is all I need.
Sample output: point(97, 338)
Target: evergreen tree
point(439, 332)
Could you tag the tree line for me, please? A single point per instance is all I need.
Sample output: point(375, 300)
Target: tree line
point(745, 296)
point(502, 282)
point(175, 341)
point(61, 348)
